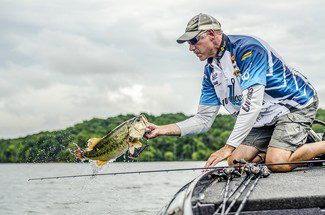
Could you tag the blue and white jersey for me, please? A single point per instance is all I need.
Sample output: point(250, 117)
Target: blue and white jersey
point(245, 61)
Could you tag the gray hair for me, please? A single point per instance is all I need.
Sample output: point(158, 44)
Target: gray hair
point(219, 32)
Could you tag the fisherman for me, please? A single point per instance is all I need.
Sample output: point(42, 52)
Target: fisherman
point(274, 104)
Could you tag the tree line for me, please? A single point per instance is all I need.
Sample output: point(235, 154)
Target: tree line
point(58, 146)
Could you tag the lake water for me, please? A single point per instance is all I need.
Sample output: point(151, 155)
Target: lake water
point(120, 194)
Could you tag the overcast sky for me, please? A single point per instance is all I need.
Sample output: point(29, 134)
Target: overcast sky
point(62, 62)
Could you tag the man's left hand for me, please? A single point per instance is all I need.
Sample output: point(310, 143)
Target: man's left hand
point(219, 155)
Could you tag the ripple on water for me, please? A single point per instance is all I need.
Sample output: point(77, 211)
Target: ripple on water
point(125, 194)
point(31, 212)
point(71, 203)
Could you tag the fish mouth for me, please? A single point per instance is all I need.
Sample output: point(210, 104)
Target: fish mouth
point(144, 119)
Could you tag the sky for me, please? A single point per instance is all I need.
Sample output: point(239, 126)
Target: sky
point(63, 62)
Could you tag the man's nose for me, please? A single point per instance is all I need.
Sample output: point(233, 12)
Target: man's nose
point(191, 47)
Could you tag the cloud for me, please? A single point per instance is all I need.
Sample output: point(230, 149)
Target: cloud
point(62, 63)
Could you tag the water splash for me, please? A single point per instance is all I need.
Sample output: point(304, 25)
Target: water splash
point(95, 169)
point(72, 152)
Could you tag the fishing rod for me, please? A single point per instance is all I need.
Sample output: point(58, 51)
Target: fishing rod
point(247, 181)
point(225, 194)
point(241, 206)
point(252, 171)
point(133, 172)
point(229, 174)
point(259, 172)
point(232, 193)
point(242, 161)
point(168, 170)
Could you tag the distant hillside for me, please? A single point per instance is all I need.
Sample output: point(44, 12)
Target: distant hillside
point(57, 146)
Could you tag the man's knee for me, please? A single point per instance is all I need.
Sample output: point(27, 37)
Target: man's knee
point(231, 159)
point(278, 157)
point(281, 168)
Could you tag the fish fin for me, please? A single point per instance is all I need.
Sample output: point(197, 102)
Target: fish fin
point(131, 149)
point(100, 163)
point(137, 144)
point(93, 142)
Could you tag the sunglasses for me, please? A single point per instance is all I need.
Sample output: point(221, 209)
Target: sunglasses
point(196, 39)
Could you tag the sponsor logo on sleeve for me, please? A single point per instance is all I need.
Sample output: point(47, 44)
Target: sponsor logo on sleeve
point(246, 75)
point(246, 55)
point(247, 105)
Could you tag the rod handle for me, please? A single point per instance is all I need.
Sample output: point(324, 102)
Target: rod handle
point(241, 161)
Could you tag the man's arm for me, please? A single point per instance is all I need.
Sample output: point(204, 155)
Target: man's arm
point(162, 130)
point(250, 109)
point(199, 123)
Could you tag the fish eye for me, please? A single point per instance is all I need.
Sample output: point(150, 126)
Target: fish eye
point(136, 119)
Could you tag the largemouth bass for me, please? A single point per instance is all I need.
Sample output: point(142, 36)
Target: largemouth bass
point(124, 137)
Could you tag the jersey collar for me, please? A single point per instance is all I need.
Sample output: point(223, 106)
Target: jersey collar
point(222, 49)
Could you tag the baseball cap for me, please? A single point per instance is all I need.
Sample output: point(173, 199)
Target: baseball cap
point(197, 24)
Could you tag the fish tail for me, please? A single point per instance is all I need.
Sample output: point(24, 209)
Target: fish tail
point(79, 153)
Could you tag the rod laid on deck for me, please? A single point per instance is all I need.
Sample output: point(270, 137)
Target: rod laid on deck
point(131, 172)
point(171, 170)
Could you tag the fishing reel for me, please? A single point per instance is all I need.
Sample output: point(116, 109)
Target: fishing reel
point(229, 172)
point(265, 172)
point(252, 168)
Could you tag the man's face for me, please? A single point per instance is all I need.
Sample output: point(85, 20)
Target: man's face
point(204, 48)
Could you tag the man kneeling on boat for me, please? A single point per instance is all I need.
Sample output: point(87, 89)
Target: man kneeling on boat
point(274, 104)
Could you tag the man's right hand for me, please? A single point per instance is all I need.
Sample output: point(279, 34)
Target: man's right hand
point(152, 131)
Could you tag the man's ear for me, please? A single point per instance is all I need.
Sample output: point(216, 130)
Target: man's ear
point(212, 34)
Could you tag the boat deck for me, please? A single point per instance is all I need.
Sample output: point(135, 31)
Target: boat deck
point(302, 188)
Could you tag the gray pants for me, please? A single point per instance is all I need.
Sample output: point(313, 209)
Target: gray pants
point(288, 133)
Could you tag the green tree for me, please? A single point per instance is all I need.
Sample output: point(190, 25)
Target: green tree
point(58, 146)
